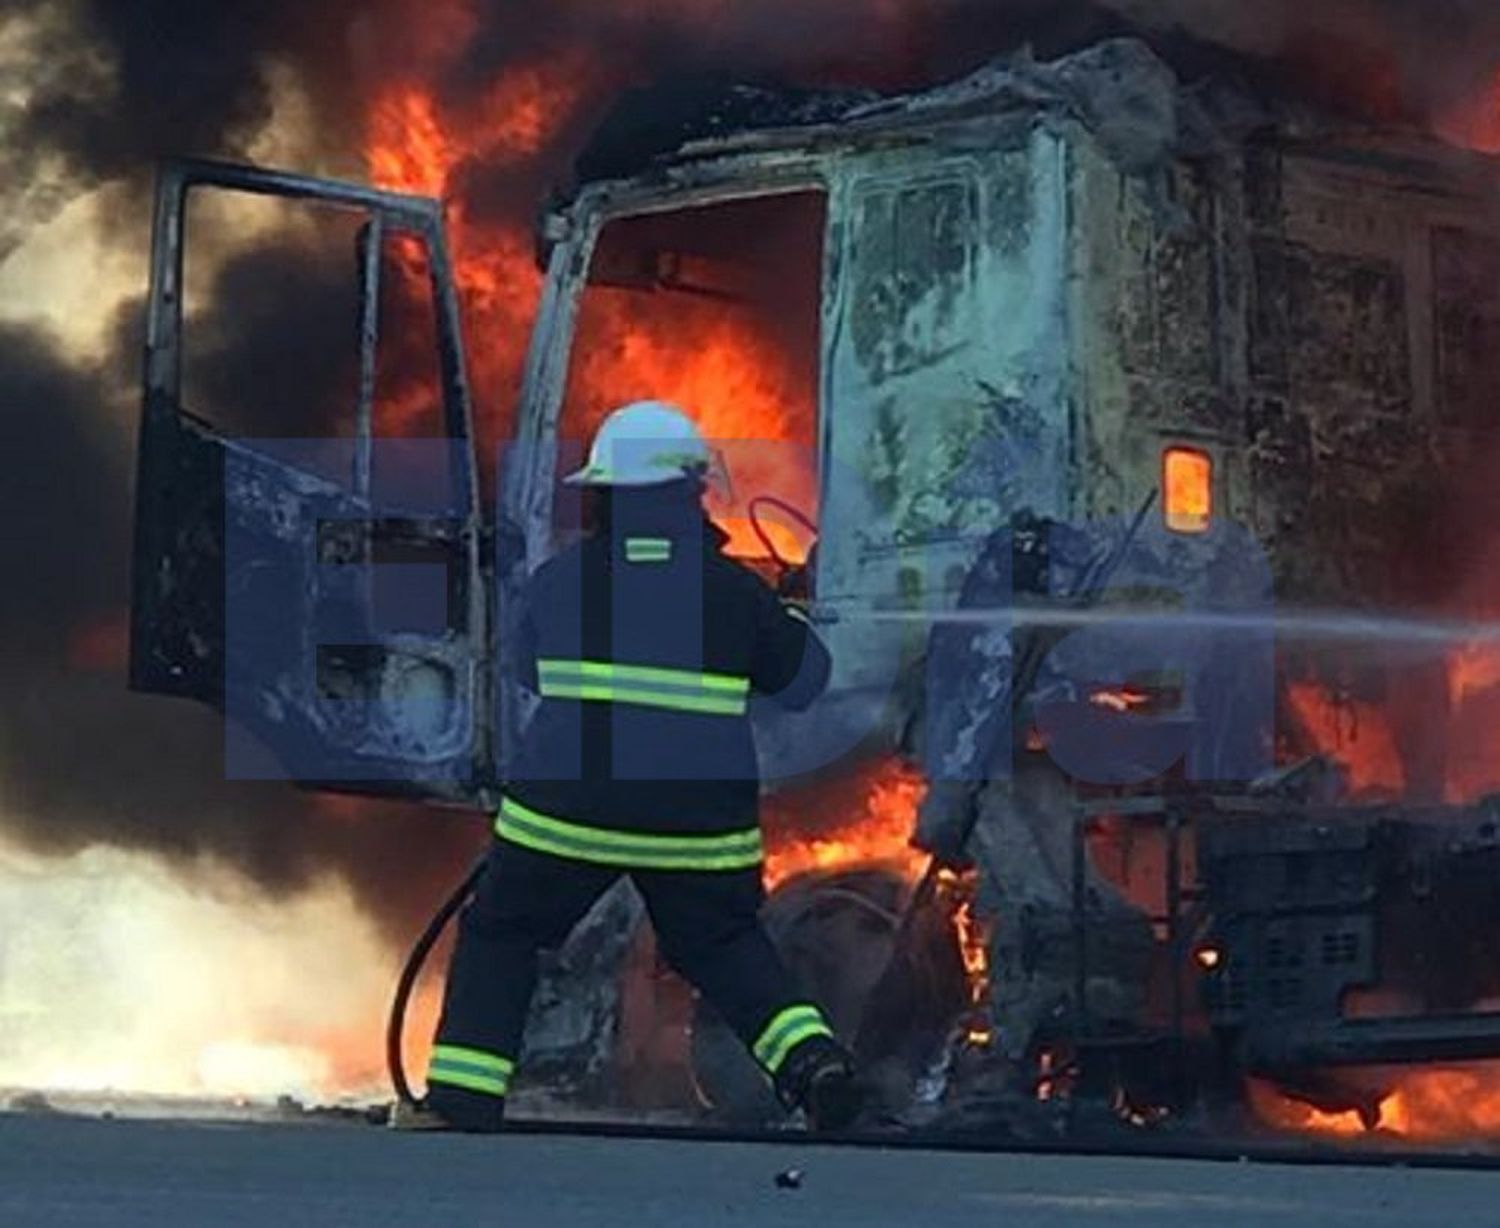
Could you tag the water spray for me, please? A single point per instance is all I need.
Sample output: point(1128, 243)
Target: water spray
point(1305, 625)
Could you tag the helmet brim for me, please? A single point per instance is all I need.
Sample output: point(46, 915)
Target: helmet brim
point(587, 477)
point(590, 476)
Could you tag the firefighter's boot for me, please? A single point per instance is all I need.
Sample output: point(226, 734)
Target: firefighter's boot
point(818, 1077)
point(416, 1115)
point(450, 1109)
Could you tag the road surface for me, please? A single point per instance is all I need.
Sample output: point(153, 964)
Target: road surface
point(67, 1172)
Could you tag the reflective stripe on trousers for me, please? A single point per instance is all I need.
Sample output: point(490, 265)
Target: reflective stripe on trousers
point(472, 1069)
point(650, 686)
point(740, 850)
point(786, 1031)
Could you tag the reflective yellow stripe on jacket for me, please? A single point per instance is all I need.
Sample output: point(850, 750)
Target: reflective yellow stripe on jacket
point(653, 687)
point(740, 850)
point(648, 550)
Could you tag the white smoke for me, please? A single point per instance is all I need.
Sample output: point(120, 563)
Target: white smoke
point(117, 975)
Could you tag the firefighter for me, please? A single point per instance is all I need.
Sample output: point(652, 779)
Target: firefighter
point(644, 644)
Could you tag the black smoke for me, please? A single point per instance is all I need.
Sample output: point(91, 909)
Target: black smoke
point(272, 352)
point(114, 85)
point(1386, 58)
point(83, 761)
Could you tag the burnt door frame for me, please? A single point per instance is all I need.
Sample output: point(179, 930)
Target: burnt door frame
point(571, 234)
point(167, 429)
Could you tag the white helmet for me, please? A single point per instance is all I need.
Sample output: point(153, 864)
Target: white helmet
point(646, 443)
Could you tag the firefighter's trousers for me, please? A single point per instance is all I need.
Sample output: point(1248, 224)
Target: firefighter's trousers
point(706, 926)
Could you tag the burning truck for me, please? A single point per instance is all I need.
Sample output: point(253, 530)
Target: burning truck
point(1132, 345)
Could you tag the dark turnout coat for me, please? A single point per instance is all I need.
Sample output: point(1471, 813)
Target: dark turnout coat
point(646, 644)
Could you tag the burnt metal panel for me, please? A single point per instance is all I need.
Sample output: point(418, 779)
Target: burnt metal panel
point(1313, 903)
point(1421, 1040)
point(1466, 277)
point(1169, 311)
point(943, 412)
point(177, 608)
point(1292, 900)
point(1347, 328)
point(912, 273)
point(1341, 450)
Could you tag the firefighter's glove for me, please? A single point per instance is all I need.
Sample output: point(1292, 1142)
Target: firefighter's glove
point(794, 586)
point(945, 822)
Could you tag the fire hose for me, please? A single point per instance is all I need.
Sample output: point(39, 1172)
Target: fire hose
point(410, 971)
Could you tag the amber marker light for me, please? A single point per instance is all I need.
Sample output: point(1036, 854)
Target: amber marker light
point(1188, 489)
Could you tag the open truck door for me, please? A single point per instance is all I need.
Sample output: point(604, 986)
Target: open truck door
point(334, 609)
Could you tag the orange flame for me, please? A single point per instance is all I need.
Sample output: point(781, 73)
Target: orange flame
point(714, 361)
point(1187, 479)
point(412, 146)
point(742, 388)
point(409, 150)
point(1357, 734)
point(1425, 1105)
point(1471, 673)
point(1474, 122)
point(973, 948)
point(1471, 766)
point(1119, 699)
point(875, 812)
point(1371, 743)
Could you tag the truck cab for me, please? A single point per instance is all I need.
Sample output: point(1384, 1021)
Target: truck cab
point(905, 321)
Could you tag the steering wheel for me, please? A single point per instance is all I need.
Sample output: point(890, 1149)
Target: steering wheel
point(793, 575)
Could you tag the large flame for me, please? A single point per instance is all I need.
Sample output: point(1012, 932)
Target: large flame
point(1422, 1104)
point(1375, 749)
point(412, 146)
point(746, 393)
point(739, 384)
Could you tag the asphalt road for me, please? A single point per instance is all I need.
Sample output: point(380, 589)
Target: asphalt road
point(62, 1172)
